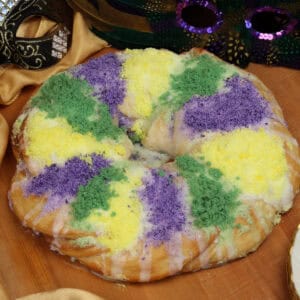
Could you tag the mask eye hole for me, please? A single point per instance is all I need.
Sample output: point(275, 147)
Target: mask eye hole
point(269, 23)
point(198, 16)
point(35, 27)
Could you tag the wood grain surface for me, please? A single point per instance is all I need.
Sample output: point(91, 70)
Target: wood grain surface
point(28, 266)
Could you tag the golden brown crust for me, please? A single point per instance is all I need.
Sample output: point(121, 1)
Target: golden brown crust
point(245, 238)
point(17, 138)
point(161, 264)
point(70, 248)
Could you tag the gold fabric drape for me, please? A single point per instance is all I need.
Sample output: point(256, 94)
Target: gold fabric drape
point(3, 137)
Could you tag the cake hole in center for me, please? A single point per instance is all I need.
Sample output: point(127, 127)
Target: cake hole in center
point(199, 16)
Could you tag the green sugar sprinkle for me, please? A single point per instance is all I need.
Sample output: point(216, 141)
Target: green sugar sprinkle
point(85, 241)
point(96, 193)
point(113, 214)
point(212, 204)
point(201, 76)
point(81, 225)
point(71, 98)
point(134, 137)
point(161, 173)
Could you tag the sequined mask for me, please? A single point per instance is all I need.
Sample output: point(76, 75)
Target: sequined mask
point(34, 53)
point(239, 31)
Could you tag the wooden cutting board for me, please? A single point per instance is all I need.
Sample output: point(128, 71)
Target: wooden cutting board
point(28, 266)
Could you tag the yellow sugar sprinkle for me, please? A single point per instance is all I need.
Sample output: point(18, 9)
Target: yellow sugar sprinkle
point(121, 224)
point(148, 73)
point(61, 143)
point(138, 128)
point(252, 160)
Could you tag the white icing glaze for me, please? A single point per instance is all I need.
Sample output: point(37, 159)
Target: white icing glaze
point(60, 220)
point(204, 259)
point(10, 202)
point(145, 264)
point(231, 248)
point(176, 255)
point(31, 213)
point(201, 241)
point(295, 262)
point(204, 254)
point(117, 266)
point(220, 247)
point(262, 221)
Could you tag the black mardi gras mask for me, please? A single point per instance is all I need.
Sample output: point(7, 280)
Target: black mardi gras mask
point(238, 31)
point(34, 53)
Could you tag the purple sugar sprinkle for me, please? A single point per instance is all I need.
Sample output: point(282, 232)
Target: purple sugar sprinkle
point(163, 203)
point(241, 106)
point(61, 183)
point(103, 74)
point(124, 121)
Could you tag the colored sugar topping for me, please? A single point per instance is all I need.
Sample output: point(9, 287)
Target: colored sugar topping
point(213, 203)
point(124, 121)
point(55, 145)
point(239, 105)
point(70, 98)
point(163, 201)
point(61, 183)
point(138, 130)
point(147, 73)
point(85, 241)
point(103, 74)
point(252, 160)
point(202, 76)
point(96, 193)
point(120, 226)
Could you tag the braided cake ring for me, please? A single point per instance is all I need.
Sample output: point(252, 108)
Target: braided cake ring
point(144, 164)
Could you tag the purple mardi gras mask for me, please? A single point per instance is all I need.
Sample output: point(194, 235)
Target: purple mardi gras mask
point(239, 31)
